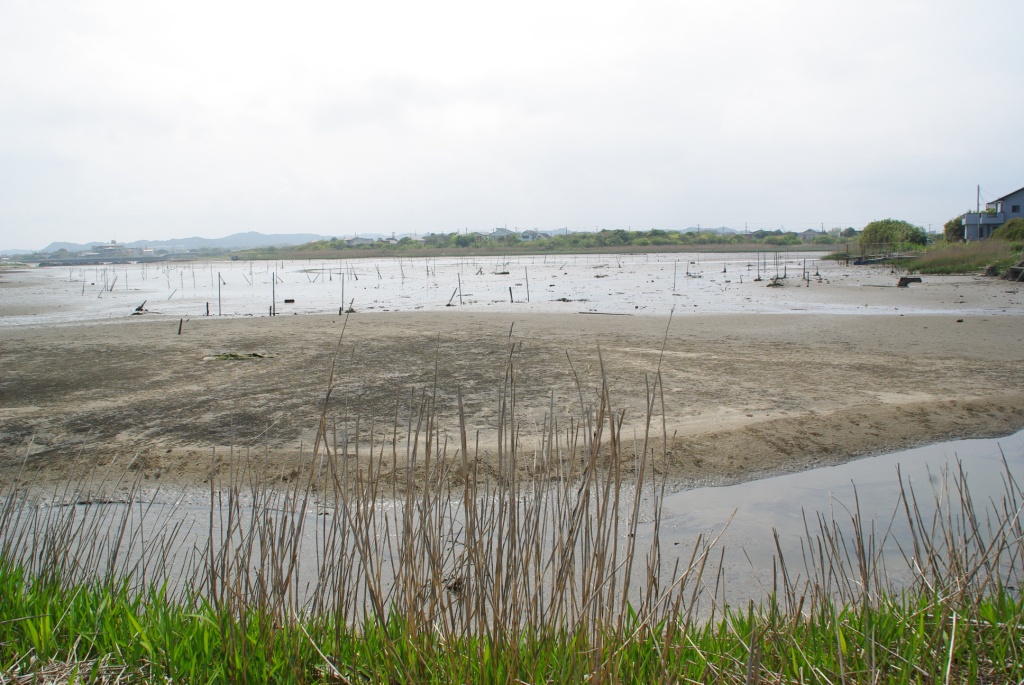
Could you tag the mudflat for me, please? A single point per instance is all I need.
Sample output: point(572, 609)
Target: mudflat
point(736, 396)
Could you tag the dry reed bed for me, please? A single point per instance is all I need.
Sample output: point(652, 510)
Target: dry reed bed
point(491, 576)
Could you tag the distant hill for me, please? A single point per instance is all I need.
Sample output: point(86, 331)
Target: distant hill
point(236, 241)
point(70, 247)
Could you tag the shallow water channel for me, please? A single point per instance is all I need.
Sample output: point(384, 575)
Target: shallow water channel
point(750, 512)
point(751, 523)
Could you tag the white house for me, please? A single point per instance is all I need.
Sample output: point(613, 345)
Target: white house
point(979, 225)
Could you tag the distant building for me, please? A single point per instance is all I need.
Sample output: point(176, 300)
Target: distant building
point(979, 225)
point(501, 233)
point(532, 234)
point(809, 235)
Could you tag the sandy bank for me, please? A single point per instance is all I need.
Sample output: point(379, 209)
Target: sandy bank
point(744, 395)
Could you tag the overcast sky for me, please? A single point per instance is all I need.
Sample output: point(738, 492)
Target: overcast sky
point(122, 119)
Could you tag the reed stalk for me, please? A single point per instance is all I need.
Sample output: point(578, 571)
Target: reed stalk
point(381, 563)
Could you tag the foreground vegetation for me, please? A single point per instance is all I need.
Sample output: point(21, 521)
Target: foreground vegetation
point(93, 633)
point(353, 575)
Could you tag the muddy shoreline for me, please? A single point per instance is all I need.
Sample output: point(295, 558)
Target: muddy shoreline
point(744, 396)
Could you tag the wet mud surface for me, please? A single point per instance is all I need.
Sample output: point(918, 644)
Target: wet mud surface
point(740, 396)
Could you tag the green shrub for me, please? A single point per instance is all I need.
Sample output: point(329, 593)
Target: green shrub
point(893, 231)
point(953, 230)
point(1012, 230)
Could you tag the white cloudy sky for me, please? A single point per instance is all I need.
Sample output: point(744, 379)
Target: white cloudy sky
point(123, 119)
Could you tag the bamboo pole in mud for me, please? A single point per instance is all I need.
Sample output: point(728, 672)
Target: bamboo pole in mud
point(460, 288)
point(675, 272)
point(273, 294)
point(527, 271)
point(218, 295)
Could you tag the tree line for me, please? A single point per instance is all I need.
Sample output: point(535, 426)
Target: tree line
point(587, 240)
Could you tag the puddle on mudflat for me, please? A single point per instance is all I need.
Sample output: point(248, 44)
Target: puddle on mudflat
point(782, 504)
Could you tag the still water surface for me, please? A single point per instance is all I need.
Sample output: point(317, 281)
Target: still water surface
point(781, 503)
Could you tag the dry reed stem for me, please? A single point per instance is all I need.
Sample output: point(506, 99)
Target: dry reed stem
point(492, 554)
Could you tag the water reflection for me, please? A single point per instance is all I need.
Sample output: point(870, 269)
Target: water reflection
point(791, 504)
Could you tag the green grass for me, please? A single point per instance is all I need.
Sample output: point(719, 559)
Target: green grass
point(915, 637)
point(488, 577)
point(991, 256)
